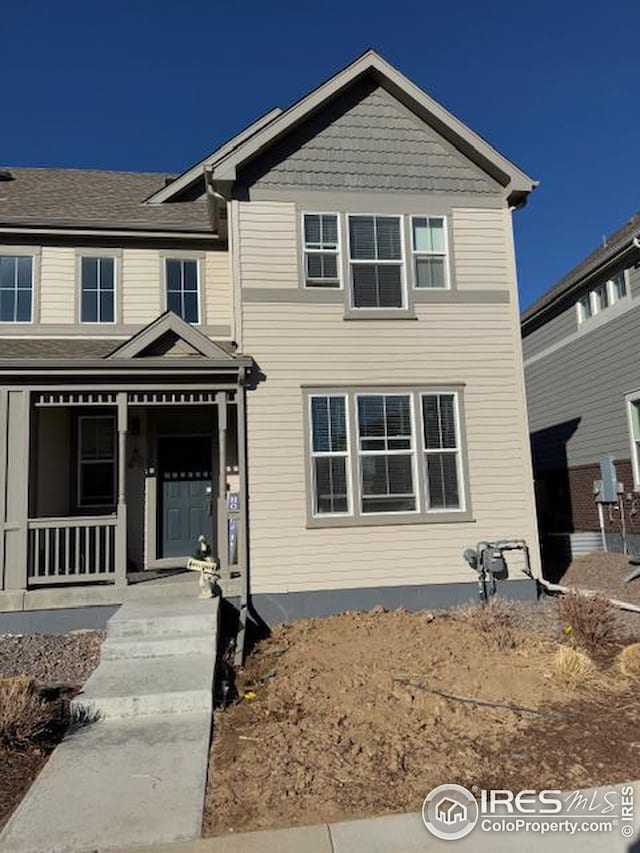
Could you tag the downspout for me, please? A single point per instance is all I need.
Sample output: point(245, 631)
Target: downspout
point(243, 555)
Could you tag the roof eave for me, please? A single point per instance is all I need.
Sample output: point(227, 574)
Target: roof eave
point(467, 141)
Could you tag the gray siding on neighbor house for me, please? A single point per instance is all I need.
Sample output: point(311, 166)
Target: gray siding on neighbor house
point(367, 140)
point(576, 394)
point(551, 333)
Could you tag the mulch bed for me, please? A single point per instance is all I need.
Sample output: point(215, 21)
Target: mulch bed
point(59, 664)
point(363, 713)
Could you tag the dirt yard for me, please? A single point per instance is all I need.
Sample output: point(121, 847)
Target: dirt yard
point(603, 573)
point(58, 665)
point(363, 713)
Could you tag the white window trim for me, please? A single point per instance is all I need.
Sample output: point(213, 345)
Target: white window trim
point(81, 462)
point(596, 310)
point(317, 454)
point(197, 261)
point(337, 252)
point(18, 254)
point(430, 254)
point(99, 257)
point(401, 262)
point(457, 450)
point(412, 451)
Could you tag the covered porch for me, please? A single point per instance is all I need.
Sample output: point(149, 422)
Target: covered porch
point(114, 468)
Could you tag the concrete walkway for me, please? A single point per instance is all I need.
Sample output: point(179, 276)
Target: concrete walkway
point(138, 775)
point(406, 833)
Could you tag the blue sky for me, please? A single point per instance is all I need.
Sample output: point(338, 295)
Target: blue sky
point(153, 86)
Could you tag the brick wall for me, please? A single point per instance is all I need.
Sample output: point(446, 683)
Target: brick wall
point(566, 503)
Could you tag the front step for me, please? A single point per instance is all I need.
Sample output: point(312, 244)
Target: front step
point(129, 688)
point(166, 618)
point(126, 648)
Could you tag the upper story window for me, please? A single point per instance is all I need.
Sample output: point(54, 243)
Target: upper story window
point(601, 297)
point(376, 262)
point(429, 247)
point(321, 250)
point(16, 288)
point(183, 289)
point(97, 290)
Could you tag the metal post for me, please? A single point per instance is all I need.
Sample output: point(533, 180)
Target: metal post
point(121, 527)
point(222, 519)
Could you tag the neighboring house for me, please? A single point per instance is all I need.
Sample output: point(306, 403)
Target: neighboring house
point(312, 334)
point(581, 351)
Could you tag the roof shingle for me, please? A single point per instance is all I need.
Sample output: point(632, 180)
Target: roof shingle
point(84, 198)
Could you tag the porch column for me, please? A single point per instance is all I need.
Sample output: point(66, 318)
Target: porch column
point(121, 527)
point(223, 524)
point(15, 473)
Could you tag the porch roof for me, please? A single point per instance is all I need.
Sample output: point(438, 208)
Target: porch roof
point(167, 346)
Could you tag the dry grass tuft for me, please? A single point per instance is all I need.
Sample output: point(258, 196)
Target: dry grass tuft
point(24, 718)
point(574, 668)
point(493, 621)
point(590, 620)
point(628, 661)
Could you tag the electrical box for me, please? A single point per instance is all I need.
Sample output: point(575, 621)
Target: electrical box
point(607, 489)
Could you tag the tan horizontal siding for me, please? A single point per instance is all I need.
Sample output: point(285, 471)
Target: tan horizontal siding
point(57, 285)
point(141, 286)
point(481, 249)
point(297, 345)
point(268, 244)
point(217, 289)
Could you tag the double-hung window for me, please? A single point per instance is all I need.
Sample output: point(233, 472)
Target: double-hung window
point(97, 290)
point(321, 250)
point(386, 453)
point(330, 455)
point(183, 290)
point(376, 262)
point(391, 456)
point(96, 461)
point(16, 288)
point(442, 451)
point(429, 248)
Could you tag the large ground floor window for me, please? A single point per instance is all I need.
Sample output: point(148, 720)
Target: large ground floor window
point(386, 455)
point(96, 461)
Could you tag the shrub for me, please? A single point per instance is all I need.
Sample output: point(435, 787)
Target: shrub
point(573, 667)
point(24, 717)
point(590, 618)
point(628, 661)
point(494, 623)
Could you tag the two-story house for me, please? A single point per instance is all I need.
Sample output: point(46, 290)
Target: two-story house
point(305, 347)
point(580, 348)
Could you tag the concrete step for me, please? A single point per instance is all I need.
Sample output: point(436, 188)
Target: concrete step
point(164, 618)
point(130, 688)
point(126, 648)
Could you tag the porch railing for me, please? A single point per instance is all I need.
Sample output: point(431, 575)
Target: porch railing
point(71, 550)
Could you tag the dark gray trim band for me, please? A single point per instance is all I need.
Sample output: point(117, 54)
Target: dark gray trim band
point(57, 621)
point(285, 607)
point(425, 296)
point(90, 330)
point(336, 297)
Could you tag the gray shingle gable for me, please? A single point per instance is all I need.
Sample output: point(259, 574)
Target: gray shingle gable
point(367, 140)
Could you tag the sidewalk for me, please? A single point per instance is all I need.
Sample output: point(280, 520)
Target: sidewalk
point(406, 834)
